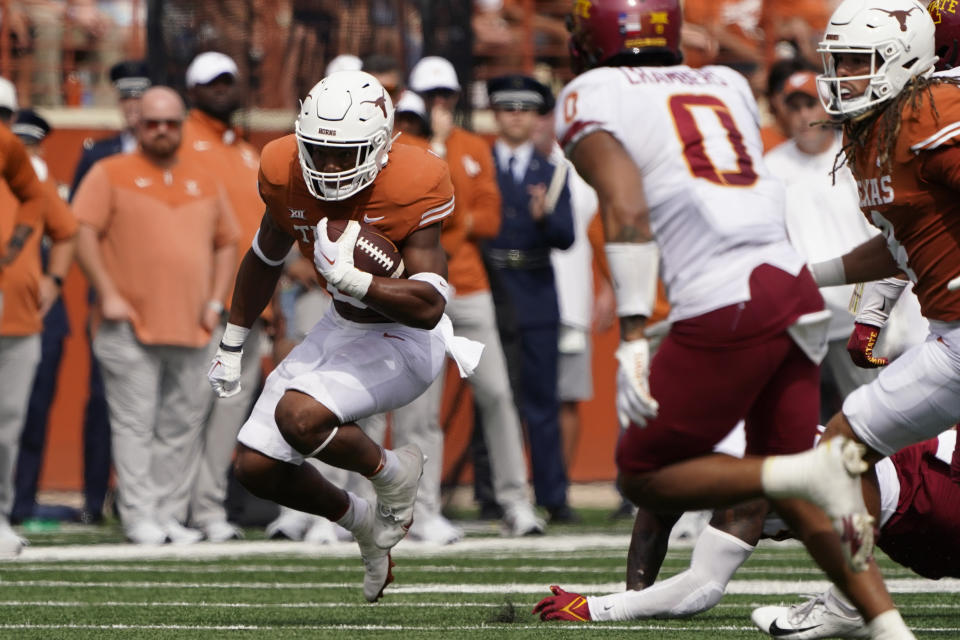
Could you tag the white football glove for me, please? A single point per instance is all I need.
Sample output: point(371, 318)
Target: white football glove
point(224, 373)
point(634, 402)
point(334, 260)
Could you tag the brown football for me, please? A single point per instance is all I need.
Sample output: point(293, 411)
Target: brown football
point(374, 253)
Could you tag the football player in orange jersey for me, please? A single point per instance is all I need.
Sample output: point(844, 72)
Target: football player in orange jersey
point(382, 341)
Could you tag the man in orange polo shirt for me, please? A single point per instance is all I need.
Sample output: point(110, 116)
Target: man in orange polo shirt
point(210, 139)
point(477, 217)
point(29, 294)
point(17, 172)
point(157, 240)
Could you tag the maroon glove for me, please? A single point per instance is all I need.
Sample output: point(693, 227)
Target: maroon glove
point(563, 605)
point(861, 344)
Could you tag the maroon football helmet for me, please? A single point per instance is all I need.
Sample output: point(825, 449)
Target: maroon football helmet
point(624, 32)
point(946, 39)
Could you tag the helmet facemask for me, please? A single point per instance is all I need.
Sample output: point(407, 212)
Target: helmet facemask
point(344, 134)
point(369, 156)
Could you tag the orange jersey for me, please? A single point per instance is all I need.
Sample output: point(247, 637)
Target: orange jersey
point(21, 314)
point(412, 192)
point(920, 218)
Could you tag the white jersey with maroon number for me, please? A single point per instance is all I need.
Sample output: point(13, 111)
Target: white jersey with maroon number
point(715, 210)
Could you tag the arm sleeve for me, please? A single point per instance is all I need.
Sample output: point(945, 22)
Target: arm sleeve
point(437, 204)
point(942, 166)
point(596, 239)
point(60, 223)
point(23, 182)
point(484, 199)
point(228, 231)
point(584, 106)
point(93, 201)
point(558, 226)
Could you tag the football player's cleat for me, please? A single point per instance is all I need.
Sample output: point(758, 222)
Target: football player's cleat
point(821, 616)
point(377, 563)
point(563, 605)
point(394, 510)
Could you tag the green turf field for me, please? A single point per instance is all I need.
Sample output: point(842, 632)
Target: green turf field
point(66, 585)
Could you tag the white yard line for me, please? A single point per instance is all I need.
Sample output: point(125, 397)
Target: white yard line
point(736, 586)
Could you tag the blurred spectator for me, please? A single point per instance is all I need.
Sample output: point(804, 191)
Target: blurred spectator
point(794, 26)
point(215, 94)
point(56, 255)
point(29, 293)
point(778, 131)
point(581, 307)
point(536, 218)
point(17, 171)
point(158, 240)
point(823, 220)
point(725, 32)
point(344, 62)
point(410, 117)
point(79, 28)
point(477, 217)
point(387, 70)
point(130, 79)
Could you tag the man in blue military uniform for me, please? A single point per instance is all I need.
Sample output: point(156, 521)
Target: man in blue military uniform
point(31, 128)
point(536, 217)
point(130, 78)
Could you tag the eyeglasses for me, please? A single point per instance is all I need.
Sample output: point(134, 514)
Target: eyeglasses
point(153, 125)
point(515, 108)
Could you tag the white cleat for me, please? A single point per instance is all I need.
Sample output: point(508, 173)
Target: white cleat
point(221, 531)
point(289, 525)
point(821, 616)
point(179, 534)
point(520, 520)
point(377, 563)
point(10, 543)
point(394, 510)
point(321, 531)
point(436, 530)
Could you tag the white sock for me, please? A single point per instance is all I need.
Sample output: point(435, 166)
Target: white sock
point(354, 515)
point(889, 626)
point(387, 474)
point(716, 556)
point(843, 602)
point(785, 476)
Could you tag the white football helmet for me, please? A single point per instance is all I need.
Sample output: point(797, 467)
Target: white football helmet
point(898, 37)
point(345, 110)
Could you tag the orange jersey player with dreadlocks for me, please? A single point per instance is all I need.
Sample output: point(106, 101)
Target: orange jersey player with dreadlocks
point(902, 142)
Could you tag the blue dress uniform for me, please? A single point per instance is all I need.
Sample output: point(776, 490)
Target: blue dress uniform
point(519, 260)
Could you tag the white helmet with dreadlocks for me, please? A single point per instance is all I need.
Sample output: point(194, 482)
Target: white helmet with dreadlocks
point(898, 37)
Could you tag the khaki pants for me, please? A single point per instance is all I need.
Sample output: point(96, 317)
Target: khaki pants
point(19, 357)
point(156, 419)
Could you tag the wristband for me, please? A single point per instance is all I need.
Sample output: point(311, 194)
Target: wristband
point(634, 268)
point(829, 273)
point(233, 337)
point(877, 301)
point(216, 305)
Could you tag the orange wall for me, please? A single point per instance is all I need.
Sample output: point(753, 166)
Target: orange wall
point(63, 462)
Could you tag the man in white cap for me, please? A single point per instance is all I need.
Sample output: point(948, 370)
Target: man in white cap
point(215, 94)
point(471, 309)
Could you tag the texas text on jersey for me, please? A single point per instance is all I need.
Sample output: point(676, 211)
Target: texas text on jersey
point(413, 191)
point(912, 198)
